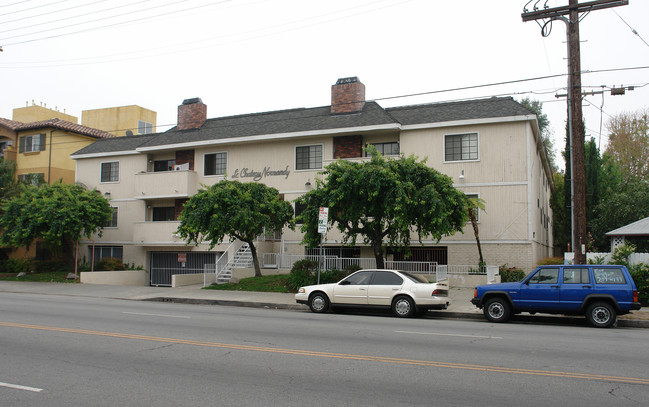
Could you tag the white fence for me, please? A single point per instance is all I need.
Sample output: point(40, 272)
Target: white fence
point(441, 272)
point(635, 258)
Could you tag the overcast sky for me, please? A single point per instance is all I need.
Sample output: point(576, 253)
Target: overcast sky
point(247, 56)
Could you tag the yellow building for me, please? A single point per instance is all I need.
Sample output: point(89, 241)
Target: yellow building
point(121, 121)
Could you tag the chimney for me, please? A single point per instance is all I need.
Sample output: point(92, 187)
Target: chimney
point(191, 114)
point(347, 96)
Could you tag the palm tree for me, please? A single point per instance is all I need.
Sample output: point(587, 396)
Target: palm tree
point(476, 204)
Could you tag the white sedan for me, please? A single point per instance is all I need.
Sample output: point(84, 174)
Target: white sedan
point(404, 293)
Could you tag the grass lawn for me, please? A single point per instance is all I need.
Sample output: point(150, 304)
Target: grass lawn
point(51, 277)
point(274, 283)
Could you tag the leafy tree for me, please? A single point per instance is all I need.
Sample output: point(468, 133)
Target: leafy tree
point(544, 127)
point(58, 214)
point(8, 184)
point(561, 217)
point(384, 200)
point(234, 209)
point(629, 143)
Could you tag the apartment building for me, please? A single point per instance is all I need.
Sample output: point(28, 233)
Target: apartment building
point(491, 148)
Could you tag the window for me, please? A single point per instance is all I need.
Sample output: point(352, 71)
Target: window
point(609, 276)
point(29, 144)
point(545, 276)
point(113, 218)
point(391, 148)
point(359, 278)
point(299, 208)
point(308, 157)
point(32, 179)
point(163, 165)
point(576, 276)
point(110, 172)
point(215, 164)
point(164, 213)
point(386, 278)
point(144, 127)
point(102, 252)
point(461, 147)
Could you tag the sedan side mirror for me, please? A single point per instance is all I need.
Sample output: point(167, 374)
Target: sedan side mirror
point(345, 282)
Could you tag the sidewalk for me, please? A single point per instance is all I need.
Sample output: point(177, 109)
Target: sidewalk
point(461, 307)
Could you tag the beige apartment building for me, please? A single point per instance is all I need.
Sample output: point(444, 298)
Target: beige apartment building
point(491, 148)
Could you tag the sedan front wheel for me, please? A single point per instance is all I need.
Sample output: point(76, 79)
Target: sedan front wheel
point(318, 302)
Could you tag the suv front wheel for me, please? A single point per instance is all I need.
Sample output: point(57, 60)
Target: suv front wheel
point(497, 310)
point(601, 315)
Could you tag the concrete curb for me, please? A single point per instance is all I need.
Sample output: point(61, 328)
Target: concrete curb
point(532, 319)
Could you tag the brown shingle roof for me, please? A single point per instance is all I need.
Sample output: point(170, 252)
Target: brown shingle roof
point(10, 124)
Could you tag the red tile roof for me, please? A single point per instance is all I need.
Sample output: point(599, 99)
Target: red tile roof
point(57, 124)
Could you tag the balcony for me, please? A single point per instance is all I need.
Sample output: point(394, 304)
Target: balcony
point(157, 233)
point(165, 184)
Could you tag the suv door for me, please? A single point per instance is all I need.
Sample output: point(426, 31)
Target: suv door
point(353, 289)
point(541, 290)
point(576, 286)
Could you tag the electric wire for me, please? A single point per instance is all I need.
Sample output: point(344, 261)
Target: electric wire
point(33, 8)
point(633, 30)
point(45, 14)
point(13, 4)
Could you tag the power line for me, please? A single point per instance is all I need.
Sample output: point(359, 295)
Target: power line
point(45, 14)
point(33, 8)
point(633, 30)
point(13, 4)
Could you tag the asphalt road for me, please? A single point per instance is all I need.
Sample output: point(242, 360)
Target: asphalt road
point(76, 351)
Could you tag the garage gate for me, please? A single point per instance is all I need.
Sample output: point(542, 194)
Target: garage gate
point(166, 264)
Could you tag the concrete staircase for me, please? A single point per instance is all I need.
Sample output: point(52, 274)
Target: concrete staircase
point(242, 258)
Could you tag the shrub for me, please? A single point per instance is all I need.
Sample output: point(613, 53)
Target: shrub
point(551, 261)
point(621, 254)
point(333, 276)
point(640, 274)
point(15, 266)
point(302, 274)
point(109, 264)
point(509, 274)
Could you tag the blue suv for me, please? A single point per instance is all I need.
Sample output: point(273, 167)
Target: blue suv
point(601, 292)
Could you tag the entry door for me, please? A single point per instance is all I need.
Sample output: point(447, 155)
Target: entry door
point(353, 289)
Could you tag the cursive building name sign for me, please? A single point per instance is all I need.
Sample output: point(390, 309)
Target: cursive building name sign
point(258, 175)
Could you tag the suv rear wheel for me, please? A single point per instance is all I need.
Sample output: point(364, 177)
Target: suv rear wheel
point(601, 315)
point(497, 310)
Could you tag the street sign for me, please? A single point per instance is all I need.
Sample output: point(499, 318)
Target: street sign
point(323, 218)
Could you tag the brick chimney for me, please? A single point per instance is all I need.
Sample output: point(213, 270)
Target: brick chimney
point(191, 114)
point(347, 96)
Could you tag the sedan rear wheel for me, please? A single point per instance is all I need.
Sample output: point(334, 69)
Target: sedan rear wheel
point(403, 307)
point(318, 302)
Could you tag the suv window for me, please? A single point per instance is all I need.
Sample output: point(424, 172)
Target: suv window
point(360, 278)
point(386, 278)
point(576, 276)
point(545, 276)
point(609, 276)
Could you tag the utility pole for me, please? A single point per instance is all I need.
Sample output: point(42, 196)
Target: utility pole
point(575, 115)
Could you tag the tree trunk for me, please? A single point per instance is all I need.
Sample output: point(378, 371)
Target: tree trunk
point(474, 223)
point(378, 254)
point(255, 259)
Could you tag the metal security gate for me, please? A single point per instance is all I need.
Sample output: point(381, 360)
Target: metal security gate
point(166, 264)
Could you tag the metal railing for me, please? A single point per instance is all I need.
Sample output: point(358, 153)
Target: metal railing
point(441, 271)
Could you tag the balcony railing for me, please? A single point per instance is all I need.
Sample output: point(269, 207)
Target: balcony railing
point(165, 184)
point(157, 232)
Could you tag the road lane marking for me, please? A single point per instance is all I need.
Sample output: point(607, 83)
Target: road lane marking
point(156, 315)
point(382, 359)
point(459, 335)
point(19, 387)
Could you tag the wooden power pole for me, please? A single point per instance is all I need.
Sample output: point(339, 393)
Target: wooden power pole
point(575, 115)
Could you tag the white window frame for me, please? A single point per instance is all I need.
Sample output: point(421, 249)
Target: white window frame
point(469, 133)
point(34, 141)
point(309, 145)
point(148, 127)
point(101, 165)
point(226, 163)
point(114, 216)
